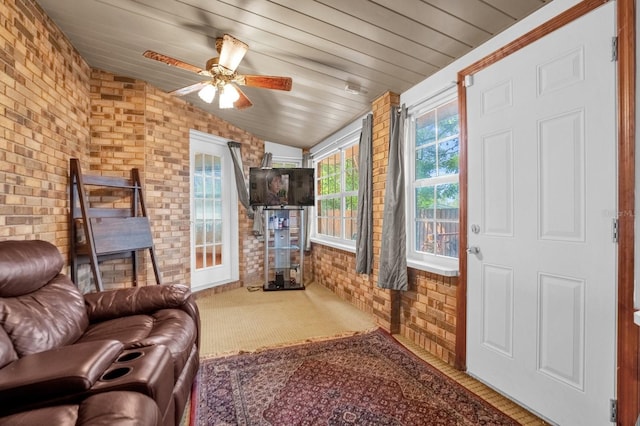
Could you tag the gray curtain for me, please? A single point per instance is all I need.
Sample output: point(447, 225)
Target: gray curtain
point(393, 253)
point(241, 184)
point(306, 162)
point(364, 224)
point(258, 217)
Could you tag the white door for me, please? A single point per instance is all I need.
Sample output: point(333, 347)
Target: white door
point(214, 213)
point(542, 196)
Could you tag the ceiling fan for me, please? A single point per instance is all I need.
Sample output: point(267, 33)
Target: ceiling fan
point(222, 76)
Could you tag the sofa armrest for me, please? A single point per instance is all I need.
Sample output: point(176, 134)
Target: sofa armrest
point(54, 374)
point(111, 304)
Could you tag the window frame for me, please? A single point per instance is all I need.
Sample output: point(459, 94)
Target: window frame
point(435, 263)
point(340, 145)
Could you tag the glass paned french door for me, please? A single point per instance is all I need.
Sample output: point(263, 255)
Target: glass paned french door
point(214, 213)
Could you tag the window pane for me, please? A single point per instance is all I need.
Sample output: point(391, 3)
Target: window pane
point(448, 120)
point(425, 202)
point(208, 232)
point(351, 168)
point(350, 231)
point(336, 224)
point(447, 200)
point(426, 165)
point(198, 173)
point(218, 231)
point(351, 206)
point(208, 187)
point(448, 153)
point(424, 225)
point(447, 220)
point(322, 225)
point(208, 166)
point(425, 236)
point(426, 128)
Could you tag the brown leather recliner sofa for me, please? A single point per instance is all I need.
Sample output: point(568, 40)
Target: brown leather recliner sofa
point(120, 357)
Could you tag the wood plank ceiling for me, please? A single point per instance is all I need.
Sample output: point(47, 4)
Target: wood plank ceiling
point(324, 45)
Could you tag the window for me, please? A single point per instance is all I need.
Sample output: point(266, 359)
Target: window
point(285, 164)
point(283, 156)
point(433, 198)
point(337, 195)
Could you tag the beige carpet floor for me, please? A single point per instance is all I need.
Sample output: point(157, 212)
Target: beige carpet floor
point(241, 320)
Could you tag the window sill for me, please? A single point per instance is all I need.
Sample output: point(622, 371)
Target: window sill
point(447, 270)
point(335, 244)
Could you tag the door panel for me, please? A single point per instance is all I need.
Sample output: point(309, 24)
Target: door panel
point(497, 308)
point(542, 185)
point(561, 345)
point(497, 184)
point(561, 174)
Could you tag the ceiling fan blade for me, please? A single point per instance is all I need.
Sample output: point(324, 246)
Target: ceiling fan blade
point(189, 89)
point(174, 62)
point(242, 102)
point(231, 52)
point(265, 81)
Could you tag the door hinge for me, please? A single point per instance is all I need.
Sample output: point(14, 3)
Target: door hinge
point(614, 49)
point(614, 230)
point(613, 410)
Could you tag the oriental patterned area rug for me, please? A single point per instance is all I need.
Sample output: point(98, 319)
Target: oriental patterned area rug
point(366, 379)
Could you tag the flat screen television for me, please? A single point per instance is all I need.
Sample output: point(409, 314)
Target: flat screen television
point(281, 187)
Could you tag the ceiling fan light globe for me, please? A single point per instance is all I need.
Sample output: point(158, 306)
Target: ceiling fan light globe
point(231, 92)
point(231, 53)
point(228, 95)
point(207, 93)
point(225, 103)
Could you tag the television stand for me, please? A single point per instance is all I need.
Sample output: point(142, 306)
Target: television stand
point(283, 248)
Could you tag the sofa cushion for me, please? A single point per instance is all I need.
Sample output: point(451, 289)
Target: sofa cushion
point(51, 316)
point(104, 409)
point(7, 353)
point(172, 328)
point(25, 266)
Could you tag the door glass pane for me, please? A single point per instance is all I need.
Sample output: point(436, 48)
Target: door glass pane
point(207, 210)
point(198, 189)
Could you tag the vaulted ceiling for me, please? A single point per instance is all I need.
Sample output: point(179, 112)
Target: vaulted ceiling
point(325, 46)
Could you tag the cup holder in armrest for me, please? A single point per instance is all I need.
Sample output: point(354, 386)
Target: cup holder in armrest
point(129, 356)
point(116, 373)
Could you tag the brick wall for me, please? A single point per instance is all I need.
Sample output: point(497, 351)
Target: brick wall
point(426, 312)
point(44, 120)
point(54, 107)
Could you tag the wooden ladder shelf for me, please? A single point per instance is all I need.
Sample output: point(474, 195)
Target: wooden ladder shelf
point(101, 233)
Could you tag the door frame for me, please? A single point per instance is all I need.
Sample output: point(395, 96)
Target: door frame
point(627, 380)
